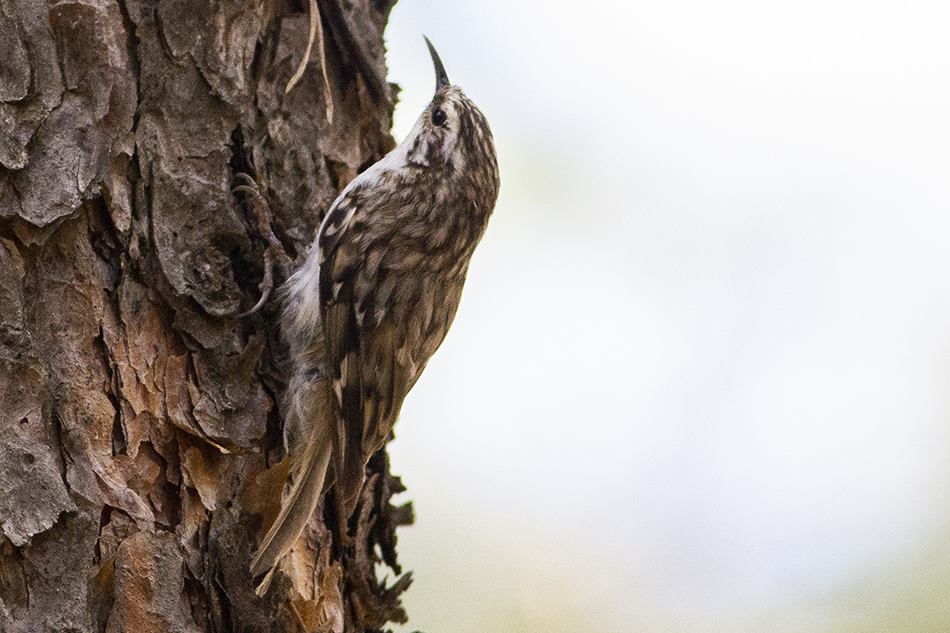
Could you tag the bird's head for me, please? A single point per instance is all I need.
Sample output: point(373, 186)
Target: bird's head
point(451, 135)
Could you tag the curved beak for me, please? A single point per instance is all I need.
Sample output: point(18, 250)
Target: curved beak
point(441, 78)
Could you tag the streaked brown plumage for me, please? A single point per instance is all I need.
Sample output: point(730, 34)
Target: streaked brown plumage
point(376, 297)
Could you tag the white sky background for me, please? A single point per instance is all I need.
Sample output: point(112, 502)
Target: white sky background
point(700, 377)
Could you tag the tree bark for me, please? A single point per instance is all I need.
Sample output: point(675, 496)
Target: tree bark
point(141, 449)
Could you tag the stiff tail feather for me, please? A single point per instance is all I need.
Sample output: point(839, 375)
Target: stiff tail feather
point(299, 504)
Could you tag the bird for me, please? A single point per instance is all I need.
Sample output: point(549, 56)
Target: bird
point(374, 300)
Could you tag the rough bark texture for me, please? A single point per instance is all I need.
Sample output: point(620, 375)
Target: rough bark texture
point(140, 441)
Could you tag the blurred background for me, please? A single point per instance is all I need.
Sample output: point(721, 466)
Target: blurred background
point(700, 377)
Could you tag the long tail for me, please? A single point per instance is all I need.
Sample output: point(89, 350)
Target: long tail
point(308, 484)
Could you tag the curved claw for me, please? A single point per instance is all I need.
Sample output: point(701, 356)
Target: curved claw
point(275, 249)
point(247, 178)
point(266, 286)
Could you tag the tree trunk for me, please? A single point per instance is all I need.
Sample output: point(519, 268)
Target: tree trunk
point(141, 450)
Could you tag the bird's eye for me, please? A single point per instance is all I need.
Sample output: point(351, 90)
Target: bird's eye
point(438, 117)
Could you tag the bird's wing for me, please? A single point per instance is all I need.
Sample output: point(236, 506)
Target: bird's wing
point(341, 261)
point(366, 307)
